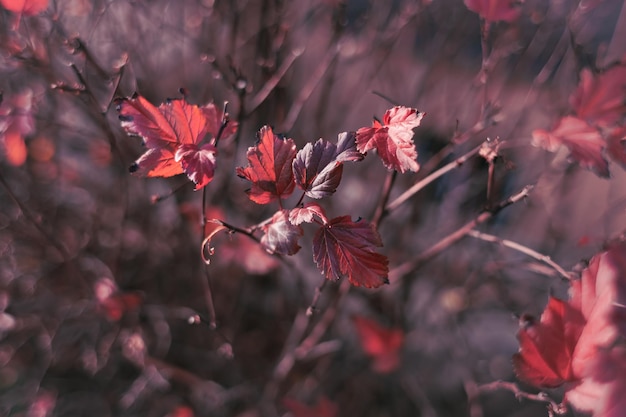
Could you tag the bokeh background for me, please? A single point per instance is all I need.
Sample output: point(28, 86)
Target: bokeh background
point(98, 282)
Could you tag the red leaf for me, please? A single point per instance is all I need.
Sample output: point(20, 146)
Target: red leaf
point(306, 214)
point(601, 98)
point(173, 134)
point(323, 408)
point(269, 167)
point(115, 303)
point(380, 343)
point(318, 167)
point(495, 10)
point(16, 122)
point(214, 118)
point(343, 247)
point(616, 145)
point(581, 341)
point(393, 140)
point(25, 7)
point(584, 142)
point(280, 235)
point(547, 347)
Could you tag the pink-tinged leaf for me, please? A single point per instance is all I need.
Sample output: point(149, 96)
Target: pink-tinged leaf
point(25, 7)
point(214, 118)
point(173, 134)
point(269, 167)
point(616, 145)
point(381, 344)
point(547, 347)
point(307, 213)
point(281, 236)
point(593, 364)
point(495, 10)
point(346, 248)
point(600, 99)
point(584, 142)
point(323, 408)
point(198, 163)
point(318, 167)
point(393, 139)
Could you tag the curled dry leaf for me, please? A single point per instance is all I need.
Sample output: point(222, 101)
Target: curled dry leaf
point(585, 143)
point(346, 248)
point(579, 343)
point(393, 139)
point(281, 236)
point(495, 10)
point(211, 228)
point(318, 167)
point(381, 344)
point(174, 134)
point(269, 167)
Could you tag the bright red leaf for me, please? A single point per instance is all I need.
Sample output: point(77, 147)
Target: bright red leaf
point(307, 213)
point(269, 167)
point(25, 7)
point(318, 167)
point(600, 99)
point(380, 343)
point(580, 342)
point(584, 142)
point(173, 134)
point(346, 248)
point(393, 139)
point(281, 236)
point(495, 10)
point(616, 145)
point(323, 408)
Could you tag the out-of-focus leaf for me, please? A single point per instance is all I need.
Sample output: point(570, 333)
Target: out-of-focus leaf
point(25, 7)
point(495, 10)
point(281, 236)
point(323, 408)
point(380, 343)
point(600, 99)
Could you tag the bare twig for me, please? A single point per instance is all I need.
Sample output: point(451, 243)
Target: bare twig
point(554, 408)
point(523, 249)
point(432, 177)
point(380, 208)
point(455, 236)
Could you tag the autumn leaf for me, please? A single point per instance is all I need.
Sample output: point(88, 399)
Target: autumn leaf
point(16, 122)
point(323, 408)
point(280, 235)
point(579, 342)
point(393, 139)
point(318, 167)
point(381, 344)
point(307, 213)
point(495, 10)
point(584, 142)
point(174, 134)
point(616, 145)
point(269, 167)
point(114, 303)
point(346, 248)
point(600, 99)
point(25, 7)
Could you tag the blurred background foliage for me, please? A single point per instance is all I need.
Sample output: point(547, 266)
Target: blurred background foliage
point(98, 282)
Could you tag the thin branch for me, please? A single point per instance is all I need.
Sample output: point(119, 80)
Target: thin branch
point(380, 212)
point(432, 177)
point(523, 249)
point(455, 236)
point(554, 408)
point(206, 282)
